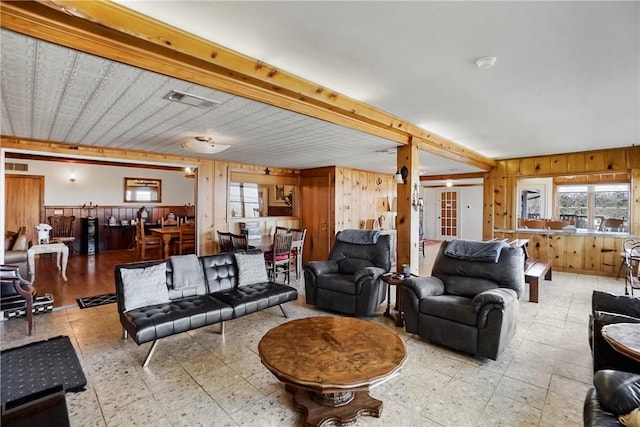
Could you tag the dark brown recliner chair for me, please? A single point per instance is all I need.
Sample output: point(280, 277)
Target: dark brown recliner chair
point(349, 282)
point(468, 304)
point(16, 245)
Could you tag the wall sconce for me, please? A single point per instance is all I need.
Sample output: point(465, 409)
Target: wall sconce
point(189, 173)
point(449, 183)
point(72, 177)
point(416, 200)
point(401, 175)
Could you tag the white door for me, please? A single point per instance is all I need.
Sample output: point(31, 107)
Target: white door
point(447, 215)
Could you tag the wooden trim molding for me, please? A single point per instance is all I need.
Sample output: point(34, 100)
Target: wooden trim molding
point(112, 31)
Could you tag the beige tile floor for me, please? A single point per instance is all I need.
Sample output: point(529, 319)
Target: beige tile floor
point(199, 378)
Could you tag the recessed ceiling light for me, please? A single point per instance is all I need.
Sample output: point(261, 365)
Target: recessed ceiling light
point(486, 62)
point(190, 99)
point(202, 144)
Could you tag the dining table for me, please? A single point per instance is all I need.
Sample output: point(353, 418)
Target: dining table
point(264, 242)
point(167, 233)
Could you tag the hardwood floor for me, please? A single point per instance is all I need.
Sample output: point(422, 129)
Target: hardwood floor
point(87, 275)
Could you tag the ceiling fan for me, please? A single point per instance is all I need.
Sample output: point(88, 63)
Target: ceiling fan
point(202, 144)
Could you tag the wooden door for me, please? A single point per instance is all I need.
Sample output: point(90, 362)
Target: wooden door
point(24, 203)
point(316, 217)
point(448, 215)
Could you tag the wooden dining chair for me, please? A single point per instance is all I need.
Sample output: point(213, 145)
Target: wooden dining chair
point(186, 243)
point(144, 242)
point(297, 246)
point(281, 230)
point(279, 259)
point(240, 242)
point(62, 230)
point(224, 241)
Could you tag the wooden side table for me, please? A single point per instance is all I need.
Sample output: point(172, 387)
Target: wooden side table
point(395, 279)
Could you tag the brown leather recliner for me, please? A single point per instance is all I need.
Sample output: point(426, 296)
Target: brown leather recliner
point(16, 245)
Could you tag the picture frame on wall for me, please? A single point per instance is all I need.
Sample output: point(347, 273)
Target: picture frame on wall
point(280, 195)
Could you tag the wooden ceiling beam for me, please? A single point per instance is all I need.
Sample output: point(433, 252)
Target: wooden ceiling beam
point(114, 32)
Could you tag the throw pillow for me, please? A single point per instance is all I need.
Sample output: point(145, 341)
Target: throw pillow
point(144, 286)
point(21, 243)
point(251, 269)
point(632, 419)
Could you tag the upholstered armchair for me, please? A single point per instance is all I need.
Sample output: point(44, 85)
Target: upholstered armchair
point(467, 304)
point(349, 281)
point(16, 245)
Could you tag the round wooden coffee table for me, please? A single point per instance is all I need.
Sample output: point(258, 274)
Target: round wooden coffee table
point(329, 364)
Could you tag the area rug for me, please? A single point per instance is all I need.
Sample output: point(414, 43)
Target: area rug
point(39, 366)
point(96, 300)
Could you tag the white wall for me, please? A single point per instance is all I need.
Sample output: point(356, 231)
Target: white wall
point(103, 185)
point(470, 206)
point(470, 211)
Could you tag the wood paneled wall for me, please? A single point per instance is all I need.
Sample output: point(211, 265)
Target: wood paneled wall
point(362, 195)
point(500, 183)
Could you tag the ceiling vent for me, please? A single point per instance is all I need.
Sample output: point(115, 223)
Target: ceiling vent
point(386, 151)
point(192, 100)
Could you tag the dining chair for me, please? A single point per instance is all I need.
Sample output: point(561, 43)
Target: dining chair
point(612, 224)
point(144, 242)
point(169, 222)
point(281, 230)
point(187, 239)
point(297, 246)
point(279, 259)
point(224, 241)
point(240, 242)
point(62, 230)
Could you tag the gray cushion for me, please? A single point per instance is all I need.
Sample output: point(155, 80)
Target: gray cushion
point(251, 269)
point(187, 271)
point(144, 286)
point(468, 286)
point(353, 265)
point(450, 307)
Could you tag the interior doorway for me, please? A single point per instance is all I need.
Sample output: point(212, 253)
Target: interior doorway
point(447, 228)
point(24, 202)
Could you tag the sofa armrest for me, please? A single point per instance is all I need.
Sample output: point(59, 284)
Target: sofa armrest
point(321, 267)
point(500, 297)
point(620, 304)
point(369, 273)
point(424, 286)
point(618, 392)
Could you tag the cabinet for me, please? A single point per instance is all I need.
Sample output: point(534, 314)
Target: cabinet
point(89, 236)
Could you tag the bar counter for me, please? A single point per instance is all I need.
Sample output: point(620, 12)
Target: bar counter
point(581, 251)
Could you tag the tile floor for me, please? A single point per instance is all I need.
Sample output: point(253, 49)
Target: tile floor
point(199, 378)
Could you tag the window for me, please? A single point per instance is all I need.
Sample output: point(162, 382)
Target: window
point(598, 205)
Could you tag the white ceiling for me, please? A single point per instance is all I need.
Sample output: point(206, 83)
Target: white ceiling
point(567, 78)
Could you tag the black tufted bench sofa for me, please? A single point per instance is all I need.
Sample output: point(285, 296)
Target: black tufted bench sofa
point(220, 299)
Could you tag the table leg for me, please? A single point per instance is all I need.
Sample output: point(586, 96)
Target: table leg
point(166, 238)
point(399, 312)
point(65, 257)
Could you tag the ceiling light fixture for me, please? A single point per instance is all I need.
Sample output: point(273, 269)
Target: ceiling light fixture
point(449, 183)
point(486, 62)
point(190, 99)
point(202, 144)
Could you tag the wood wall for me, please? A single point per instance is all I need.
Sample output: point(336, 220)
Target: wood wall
point(500, 203)
point(594, 254)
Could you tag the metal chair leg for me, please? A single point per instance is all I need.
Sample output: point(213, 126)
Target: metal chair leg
point(284, 313)
point(149, 354)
